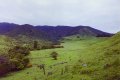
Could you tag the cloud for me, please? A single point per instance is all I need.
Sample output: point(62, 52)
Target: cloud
point(100, 14)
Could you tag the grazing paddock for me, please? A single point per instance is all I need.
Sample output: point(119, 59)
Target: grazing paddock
point(43, 67)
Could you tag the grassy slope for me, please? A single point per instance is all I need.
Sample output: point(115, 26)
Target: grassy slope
point(102, 59)
point(73, 50)
point(90, 59)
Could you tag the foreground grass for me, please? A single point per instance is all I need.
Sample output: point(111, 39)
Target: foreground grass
point(74, 51)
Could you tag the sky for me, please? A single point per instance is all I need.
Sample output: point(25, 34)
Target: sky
point(99, 14)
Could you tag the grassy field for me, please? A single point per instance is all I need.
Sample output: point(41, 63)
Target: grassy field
point(62, 69)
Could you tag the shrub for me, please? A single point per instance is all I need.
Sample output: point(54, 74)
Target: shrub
point(4, 65)
point(15, 60)
point(44, 47)
point(16, 64)
point(17, 49)
point(26, 61)
point(54, 55)
point(18, 58)
point(35, 44)
point(57, 46)
point(78, 36)
point(47, 47)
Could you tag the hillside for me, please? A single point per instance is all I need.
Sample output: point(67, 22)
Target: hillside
point(93, 58)
point(52, 33)
point(61, 68)
point(111, 57)
point(102, 60)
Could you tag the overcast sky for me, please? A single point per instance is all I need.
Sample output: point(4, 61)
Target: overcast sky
point(100, 14)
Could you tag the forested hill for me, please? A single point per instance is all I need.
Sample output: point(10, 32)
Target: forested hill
point(49, 32)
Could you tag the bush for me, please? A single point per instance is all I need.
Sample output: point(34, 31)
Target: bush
point(4, 65)
point(17, 49)
point(16, 64)
point(15, 59)
point(44, 47)
point(35, 44)
point(57, 46)
point(78, 36)
point(26, 61)
point(18, 58)
point(54, 55)
point(47, 47)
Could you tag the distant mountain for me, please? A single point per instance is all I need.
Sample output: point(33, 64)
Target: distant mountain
point(6, 27)
point(15, 30)
point(53, 33)
point(58, 32)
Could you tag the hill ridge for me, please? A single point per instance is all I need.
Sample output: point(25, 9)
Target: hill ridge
point(52, 33)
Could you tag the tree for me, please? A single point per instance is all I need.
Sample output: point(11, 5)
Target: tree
point(35, 44)
point(18, 57)
point(54, 55)
point(78, 36)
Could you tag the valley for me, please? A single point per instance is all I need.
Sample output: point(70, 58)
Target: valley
point(68, 56)
point(60, 40)
point(64, 53)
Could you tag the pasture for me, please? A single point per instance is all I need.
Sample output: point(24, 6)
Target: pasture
point(60, 69)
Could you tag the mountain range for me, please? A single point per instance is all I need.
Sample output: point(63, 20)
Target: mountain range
point(52, 33)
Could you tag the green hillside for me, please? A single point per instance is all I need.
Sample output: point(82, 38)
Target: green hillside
point(80, 59)
point(60, 68)
point(103, 60)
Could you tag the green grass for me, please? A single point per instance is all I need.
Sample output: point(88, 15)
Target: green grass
point(71, 53)
point(87, 59)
